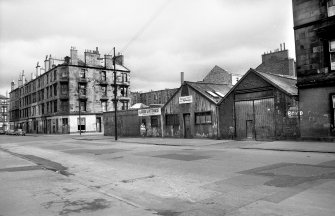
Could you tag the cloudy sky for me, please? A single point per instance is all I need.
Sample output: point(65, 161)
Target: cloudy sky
point(159, 38)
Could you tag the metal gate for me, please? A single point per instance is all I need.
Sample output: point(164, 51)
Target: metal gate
point(255, 119)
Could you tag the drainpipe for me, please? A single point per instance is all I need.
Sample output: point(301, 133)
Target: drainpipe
point(217, 122)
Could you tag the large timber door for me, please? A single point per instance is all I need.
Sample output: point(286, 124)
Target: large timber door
point(264, 119)
point(244, 117)
point(255, 119)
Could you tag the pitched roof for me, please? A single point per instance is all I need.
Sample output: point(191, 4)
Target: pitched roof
point(213, 92)
point(285, 83)
point(3, 97)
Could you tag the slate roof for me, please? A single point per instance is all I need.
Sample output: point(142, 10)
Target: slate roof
point(204, 88)
point(3, 97)
point(285, 83)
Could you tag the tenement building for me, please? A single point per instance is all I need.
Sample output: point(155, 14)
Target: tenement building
point(314, 29)
point(69, 95)
point(4, 113)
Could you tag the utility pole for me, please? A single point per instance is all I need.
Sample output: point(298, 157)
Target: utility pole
point(79, 110)
point(115, 93)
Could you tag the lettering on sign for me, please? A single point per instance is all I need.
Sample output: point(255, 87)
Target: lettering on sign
point(149, 112)
point(293, 112)
point(185, 99)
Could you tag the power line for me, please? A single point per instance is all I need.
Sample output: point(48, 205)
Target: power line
point(146, 25)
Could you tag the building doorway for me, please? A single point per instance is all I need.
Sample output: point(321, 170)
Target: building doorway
point(187, 126)
point(98, 124)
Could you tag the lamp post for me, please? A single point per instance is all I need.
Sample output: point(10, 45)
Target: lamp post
point(79, 110)
point(115, 94)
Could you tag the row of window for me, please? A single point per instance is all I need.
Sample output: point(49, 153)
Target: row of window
point(103, 76)
point(200, 118)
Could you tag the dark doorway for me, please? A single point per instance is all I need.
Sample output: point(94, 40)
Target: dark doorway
point(98, 124)
point(187, 126)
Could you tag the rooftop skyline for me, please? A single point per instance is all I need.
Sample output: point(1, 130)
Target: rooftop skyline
point(158, 38)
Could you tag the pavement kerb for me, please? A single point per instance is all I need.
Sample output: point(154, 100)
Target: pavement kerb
point(289, 150)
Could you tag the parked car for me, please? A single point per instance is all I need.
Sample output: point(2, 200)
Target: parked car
point(10, 132)
point(2, 132)
point(20, 132)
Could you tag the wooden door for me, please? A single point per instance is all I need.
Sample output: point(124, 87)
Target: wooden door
point(187, 126)
point(244, 113)
point(264, 119)
point(250, 129)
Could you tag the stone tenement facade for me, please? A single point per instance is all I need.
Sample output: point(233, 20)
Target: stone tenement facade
point(4, 113)
point(57, 94)
point(314, 30)
point(277, 62)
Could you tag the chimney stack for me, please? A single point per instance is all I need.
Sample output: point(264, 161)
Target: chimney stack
point(181, 78)
point(284, 46)
point(281, 47)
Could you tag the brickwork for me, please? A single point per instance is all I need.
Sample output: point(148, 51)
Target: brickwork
point(218, 76)
point(277, 62)
point(50, 102)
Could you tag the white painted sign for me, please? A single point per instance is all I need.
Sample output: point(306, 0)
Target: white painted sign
point(185, 99)
point(293, 112)
point(149, 112)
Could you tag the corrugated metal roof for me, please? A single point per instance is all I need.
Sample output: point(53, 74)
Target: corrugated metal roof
point(283, 82)
point(205, 88)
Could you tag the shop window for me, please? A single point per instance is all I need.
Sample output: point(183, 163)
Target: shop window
point(172, 119)
point(154, 121)
point(203, 118)
point(81, 123)
point(331, 8)
point(332, 54)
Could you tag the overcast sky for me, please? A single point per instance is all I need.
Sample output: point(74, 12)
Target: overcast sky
point(159, 38)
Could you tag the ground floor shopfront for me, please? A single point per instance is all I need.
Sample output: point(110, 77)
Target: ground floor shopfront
point(64, 124)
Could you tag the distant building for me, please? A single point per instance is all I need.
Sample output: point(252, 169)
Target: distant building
point(277, 62)
point(63, 89)
point(220, 76)
point(314, 30)
point(4, 112)
point(152, 97)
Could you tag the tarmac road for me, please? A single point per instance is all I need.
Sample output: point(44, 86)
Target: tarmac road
point(95, 175)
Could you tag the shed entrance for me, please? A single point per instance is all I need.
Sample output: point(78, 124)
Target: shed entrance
point(255, 119)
